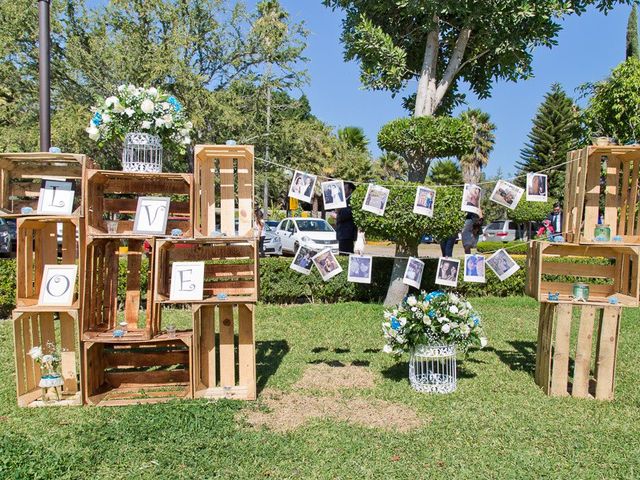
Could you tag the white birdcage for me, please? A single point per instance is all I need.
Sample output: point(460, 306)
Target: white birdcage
point(432, 368)
point(142, 153)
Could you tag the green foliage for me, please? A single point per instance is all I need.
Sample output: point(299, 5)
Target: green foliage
point(614, 109)
point(514, 248)
point(7, 287)
point(390, 166)
point(632, 50)
point(353, 137)
point(445, 172)
point(531, 211)
point(483, 142)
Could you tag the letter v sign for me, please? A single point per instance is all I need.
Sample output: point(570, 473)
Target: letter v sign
point(151, 215)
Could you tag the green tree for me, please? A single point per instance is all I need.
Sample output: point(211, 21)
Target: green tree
point(483, 143)
point(390, 166)
point(353, 137)
point(632, 51)
point(556, 130)
point(445, 172)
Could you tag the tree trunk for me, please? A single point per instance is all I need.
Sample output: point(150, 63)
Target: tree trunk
point(470, 172)
point(418, 168)
point(398, 290)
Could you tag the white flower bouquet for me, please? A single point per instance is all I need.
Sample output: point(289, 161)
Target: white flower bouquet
point(432, 319)
point(49, 362)
point(146, 110)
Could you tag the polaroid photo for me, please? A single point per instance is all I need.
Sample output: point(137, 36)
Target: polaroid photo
point(303, 260)
point(502, 264)
point(56, 197)
point(447, 273)
point(152, 214)
point(413, 272)
point(58, 285)
point(333, 195)
point(425, 201)
point(474, 268)
point(375, 201)
point(471, 196)
point(360, 268)
point(506, 194)
point(187, 281)
point(537, 187)
point(302, 186)
point(327, 264)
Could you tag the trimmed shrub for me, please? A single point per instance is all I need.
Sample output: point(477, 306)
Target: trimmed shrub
point(514, 248)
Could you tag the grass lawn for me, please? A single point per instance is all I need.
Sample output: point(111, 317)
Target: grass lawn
point(498, 425)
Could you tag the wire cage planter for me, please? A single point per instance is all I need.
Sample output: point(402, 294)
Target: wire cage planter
point(142, 153)
point(433, 368)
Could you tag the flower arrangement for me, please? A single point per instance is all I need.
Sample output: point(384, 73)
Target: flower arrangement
point(430, 319)
point(546, 230)
point(146, 110)
point(49, 362)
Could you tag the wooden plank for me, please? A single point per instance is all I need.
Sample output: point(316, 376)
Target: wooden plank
point(592, 197)
point(23, 256)
point(226, 270)
point(606, 353)
point(207, 198)
point(227, 197)
point(246, 350)
point(146, 359)
point(578, 269)
point(560, 368)
point(47, 330)
point(31, 338)
point(207, 343)
point(69, 250)
point(583, 352)
point(543, 351)
point(68, 352)
point(163, 377)
point(622, 219)
point(612, 194)
point(132, 301)
point(129, 206)
point(213, 252)
point(20, 356)
point(245, 195)
point(227, 347)
point(633, 198)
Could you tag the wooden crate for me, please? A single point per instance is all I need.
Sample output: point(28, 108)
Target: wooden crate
point(129, 373)
point(553, 355)
point(602, 181)
point(32, 329)
point(217, 329)
point(39, 245)
point(224, 190)
point(547, 260)
point(21, 175)
point(102, 281)
point(116, 193)
point(231, 267)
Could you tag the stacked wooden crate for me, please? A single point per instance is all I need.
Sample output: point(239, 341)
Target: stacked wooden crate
point(601, 186)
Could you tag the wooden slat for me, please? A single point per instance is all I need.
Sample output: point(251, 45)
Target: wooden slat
point(207, 197)
point(246, 350)
point(68, 352)
point(626, 167)
point(21, 359)
point(606, 353)
point(213, 252)
point(32, 339)
point(543, 351)
point(132, 302)
point(222, 270)
point(207, 346)
point(560, 368)
point(578, 269)
point(583, 352)
point(633, 198)
point(47, 330)
point(69, 243)
point(129, 206)
point(227, 197)
point(227, 357)
point(146, 359)
point(245, 196)
point(612, 194)
point(160, 377)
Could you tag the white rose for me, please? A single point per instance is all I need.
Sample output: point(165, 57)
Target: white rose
point(146, 125)
point(168, 119)
point(426, 320)
point(412, 301)
point(387, 315)
point(402, 321)
point(121, 88)
point(118, 108)
point(443, 319)
point(131, 88)
point(47, 358)
point(106, 118)
point(93, 132)
point(446, 328)
point(186, 140)
point(185, 132)
point(159, 122)
point(35, 353)
point(483, 342)
point(453, 309)
point(165, 106)
point(189, 125)
point(153, 91)
point(387, 348)
point(112, 101)
point(465, 330)
point(129, 112)
point(147, 106)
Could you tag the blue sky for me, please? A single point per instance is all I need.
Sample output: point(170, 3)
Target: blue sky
point(589, 47)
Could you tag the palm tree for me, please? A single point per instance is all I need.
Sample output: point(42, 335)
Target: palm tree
point(445, 172)
point(353, 137)
point(483, 143)
point(391, 166)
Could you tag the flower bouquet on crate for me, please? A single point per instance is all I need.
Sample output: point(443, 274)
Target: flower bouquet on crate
point(547, 232)
point(49, 368)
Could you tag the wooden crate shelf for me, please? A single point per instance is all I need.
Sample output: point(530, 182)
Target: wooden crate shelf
point(216, 359)
point(231, 267)
point(38, 245)
point(21, 175)
point(32, 329)
point(102, 280)
point(590, 379)
point(224, 190)
point(150, 371)
point(546, 260)
point(116, 193)
point(602, 181)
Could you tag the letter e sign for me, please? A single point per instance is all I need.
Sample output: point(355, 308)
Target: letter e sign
point(187, 281)
point(58, 285)
point(151, 215)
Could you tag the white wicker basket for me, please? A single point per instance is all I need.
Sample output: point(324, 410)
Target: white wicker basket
point(142, 153)
point(433, 368)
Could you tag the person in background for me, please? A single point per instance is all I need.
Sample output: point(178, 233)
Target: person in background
point(446, 245)
point(346, 231)
point(260, 229)
point(555, 217)
point(471, 231)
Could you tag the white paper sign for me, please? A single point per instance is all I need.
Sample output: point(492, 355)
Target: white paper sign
point(151, 215)
point(56, 197)
point(187, 281)
point(58, 285)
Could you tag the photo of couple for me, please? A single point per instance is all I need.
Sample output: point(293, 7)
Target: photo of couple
point(507, 194)
point(448, 272)
point(302, 186)
point(333, 195)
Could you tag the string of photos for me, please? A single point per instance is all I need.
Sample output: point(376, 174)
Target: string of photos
point(505, 193)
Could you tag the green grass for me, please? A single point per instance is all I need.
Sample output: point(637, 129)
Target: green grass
point(499, 425)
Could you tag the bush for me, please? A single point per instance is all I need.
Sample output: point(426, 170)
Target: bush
point(514, 248)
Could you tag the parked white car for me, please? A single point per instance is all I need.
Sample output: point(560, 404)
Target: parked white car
point(272, 242)
point(314, 233)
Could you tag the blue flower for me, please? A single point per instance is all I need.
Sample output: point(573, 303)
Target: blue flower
point(431, 314)
point(476, 321)
point(176, 104)
point(97, 119)
point(395, 324)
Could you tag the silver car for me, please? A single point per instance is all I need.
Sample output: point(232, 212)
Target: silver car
point(506, 231)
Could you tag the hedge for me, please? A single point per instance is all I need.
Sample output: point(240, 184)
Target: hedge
point(514, 248)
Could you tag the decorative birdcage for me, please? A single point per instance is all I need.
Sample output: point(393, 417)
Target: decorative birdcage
point(142, 153)
point(432, 368)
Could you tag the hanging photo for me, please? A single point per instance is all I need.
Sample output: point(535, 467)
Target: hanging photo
point(448, 272)
point(327, 264)
point(58, 285)
point(187, 281)
point(151, 215)
point(413, 272)
point(360, 268)
point(375, 201)
point(333, 195)
point(302, 186)
point(506, 194)
point(502, 264)
point(56, 197)
point(471, 198)
point(303, 261)
point(474, 268)
point(425, 200)
point(537, 187)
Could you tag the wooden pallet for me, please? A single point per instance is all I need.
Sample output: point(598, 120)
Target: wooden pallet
point(231, 268)
point(553, 353)
point(224, 188)
point(602, 181)
point(38, 329)
point(21, 175)
point(215, 357)
point(547, 260)
point(116, 193)
point(38, 245)
point(151, 371)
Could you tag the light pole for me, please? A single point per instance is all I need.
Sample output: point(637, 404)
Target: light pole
point(44, 51)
